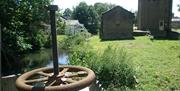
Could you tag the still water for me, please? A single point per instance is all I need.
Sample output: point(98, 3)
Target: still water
point(43, 58)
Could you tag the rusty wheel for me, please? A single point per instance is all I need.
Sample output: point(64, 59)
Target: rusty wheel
point(70, 78)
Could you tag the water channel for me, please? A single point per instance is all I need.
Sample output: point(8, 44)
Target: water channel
point(43, 58)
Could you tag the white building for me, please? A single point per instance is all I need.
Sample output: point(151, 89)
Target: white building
point(73, 27)
point(175, 22)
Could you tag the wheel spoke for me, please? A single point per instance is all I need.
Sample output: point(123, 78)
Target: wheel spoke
point(37, 80)
point(50, 82)
point(69, 80)
point(77, 78)
point(63, 71)
point(71, 75)
point(78, 74)
point(82, 73)
point(44, 74)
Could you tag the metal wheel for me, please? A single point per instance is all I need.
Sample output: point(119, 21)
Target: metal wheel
point(70, 78)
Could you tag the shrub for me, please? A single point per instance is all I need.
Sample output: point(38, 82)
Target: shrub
point(112, 67)
point(39, 40)
point(72, 41)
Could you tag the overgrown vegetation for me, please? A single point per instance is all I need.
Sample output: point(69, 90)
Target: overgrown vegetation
point(155, 63)
point(112, 66)
point(68, 43)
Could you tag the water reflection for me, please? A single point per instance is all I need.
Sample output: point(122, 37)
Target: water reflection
point(62, 58)
point(43, 58)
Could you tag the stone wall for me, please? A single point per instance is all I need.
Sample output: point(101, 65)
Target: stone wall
point(117, 24)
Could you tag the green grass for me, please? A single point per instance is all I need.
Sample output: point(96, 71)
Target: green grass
point(177, 30)
point(157, 63)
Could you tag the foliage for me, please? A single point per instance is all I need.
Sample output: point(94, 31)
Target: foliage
point(156, 62)
point(87, 16)
point(90, 16)
point(60, 24)
point(21, 21)
point(112, 67)
point(60, 27)
point(93, 23)
point(39, 39)
point(103, 7)
point(22, 28)
point(115, 69)
point(67, 13)
point(78, 39)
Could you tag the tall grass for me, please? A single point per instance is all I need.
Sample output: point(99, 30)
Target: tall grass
point(113, 67)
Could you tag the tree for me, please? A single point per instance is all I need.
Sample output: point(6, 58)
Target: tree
point(81, 13)
point(103, 7)
point(100, 8)
point(93, 20)
point(88, 16)
point(67, 13)
point(179, 7)
point(22, 29)
point(60, 23)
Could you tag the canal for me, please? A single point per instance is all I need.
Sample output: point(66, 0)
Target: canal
point(43, 58)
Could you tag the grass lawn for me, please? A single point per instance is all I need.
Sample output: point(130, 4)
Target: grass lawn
point(157, 63)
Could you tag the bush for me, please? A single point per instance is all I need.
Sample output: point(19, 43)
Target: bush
point(112, 67)
point(80, 56)
point(72, 41)
point(39, 40)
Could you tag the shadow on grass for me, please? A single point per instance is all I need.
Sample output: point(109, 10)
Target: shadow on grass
point(172, 35)
point(123, 39)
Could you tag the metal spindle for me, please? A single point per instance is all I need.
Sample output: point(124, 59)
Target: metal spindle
point(53, 9)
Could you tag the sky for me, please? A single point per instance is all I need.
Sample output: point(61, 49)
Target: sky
point(131, 5)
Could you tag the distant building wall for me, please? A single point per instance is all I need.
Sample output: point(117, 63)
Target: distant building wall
point(73, 27)
point(117, 24)
point(175, 23)
point(155, 16)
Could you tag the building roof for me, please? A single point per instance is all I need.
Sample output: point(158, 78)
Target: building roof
point(73, 22)
point(121, 11)
point(176, 19)
point(63, 18)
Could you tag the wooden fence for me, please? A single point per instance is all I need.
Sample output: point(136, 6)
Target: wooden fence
point(8, 83)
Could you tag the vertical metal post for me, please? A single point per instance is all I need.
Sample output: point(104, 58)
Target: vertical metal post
point(53, 9)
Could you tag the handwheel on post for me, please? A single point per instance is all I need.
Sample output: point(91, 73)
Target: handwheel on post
point(62, 78)
point(70, 78)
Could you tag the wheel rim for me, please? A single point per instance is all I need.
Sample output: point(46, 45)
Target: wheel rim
point(70, 78)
